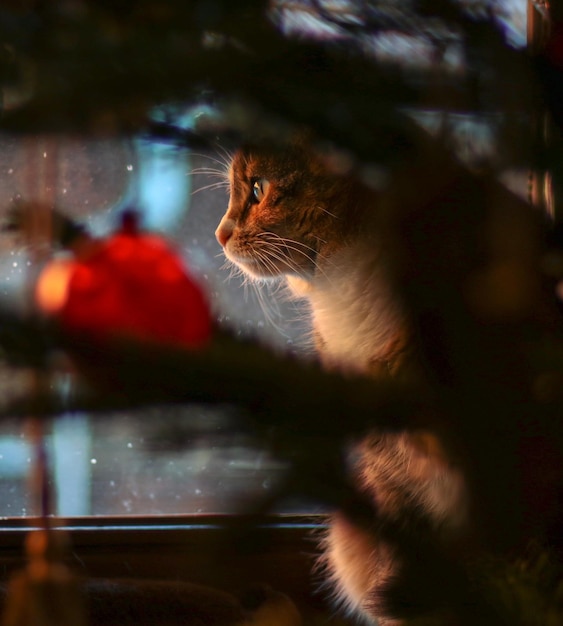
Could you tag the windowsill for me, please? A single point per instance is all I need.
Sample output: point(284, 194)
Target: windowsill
point(219, 551)
point(182, 522)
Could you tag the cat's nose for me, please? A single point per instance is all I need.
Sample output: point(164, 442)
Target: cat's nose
point(224, 231)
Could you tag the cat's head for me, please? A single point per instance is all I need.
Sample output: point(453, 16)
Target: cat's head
point(287, 211)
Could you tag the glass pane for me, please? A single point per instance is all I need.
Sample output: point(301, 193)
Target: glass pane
point(159, 461)
point(190, 460)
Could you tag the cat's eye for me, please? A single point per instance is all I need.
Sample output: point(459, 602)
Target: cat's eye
point(260, 189)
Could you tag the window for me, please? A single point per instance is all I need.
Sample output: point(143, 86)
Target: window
point(100, 101)
point(150, 462)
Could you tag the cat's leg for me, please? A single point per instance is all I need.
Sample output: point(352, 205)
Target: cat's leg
point(358, 568)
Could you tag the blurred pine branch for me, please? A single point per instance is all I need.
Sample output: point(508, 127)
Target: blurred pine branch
point(104, 67)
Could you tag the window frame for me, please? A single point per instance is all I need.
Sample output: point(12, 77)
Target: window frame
point(226, 552)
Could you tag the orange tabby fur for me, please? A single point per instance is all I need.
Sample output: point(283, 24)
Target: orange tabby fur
point(320, 232)
point(290, 217)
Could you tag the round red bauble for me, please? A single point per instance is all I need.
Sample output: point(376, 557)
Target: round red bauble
point(131, 284)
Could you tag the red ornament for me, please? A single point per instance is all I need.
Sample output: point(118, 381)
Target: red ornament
point(131, 284)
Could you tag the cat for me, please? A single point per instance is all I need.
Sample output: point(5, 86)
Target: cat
point(290, 217)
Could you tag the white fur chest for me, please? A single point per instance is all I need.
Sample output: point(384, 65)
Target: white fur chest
point(353, 309)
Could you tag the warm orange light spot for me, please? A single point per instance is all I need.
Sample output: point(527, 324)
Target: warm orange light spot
point(51, 290)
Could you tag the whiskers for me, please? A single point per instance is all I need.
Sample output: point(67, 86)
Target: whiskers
point(282, 254)
point(265, 292)
point(295, 257)
point(218, 168)
point(271, 258)
point(216, 185)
